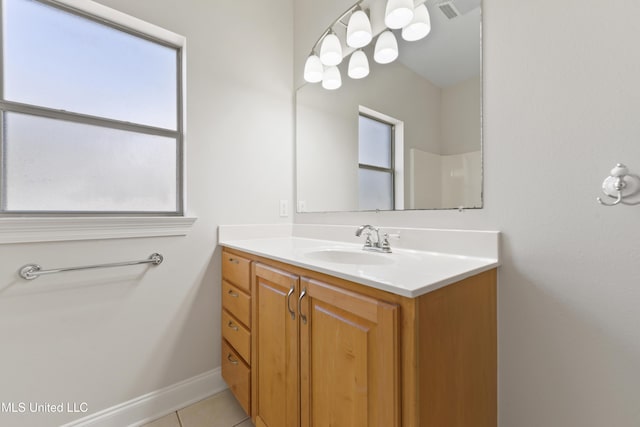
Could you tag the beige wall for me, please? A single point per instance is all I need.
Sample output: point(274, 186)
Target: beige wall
point(561, 103)
point(327, 128)
point(424, 167)
point(460, 117)
point(107, 336)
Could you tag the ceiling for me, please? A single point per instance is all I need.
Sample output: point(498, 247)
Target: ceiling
point(451, 53)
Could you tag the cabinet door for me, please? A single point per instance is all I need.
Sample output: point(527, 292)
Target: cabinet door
point(275, 350)
point(349, 368)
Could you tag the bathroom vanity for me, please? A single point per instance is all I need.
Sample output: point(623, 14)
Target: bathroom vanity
point(315, 334)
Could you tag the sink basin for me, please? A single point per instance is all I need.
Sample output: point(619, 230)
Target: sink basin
point(347, 256)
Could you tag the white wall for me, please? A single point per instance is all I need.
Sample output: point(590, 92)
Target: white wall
point(107, 336)
point(561, 107)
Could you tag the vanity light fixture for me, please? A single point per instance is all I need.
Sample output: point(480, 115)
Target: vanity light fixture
point(331, 79)
point(398, 13)
point(322, 67)
point(331, 49)
point(419, 26)
point(358, 65)
point(386, 48)
point(359, 32)
point(313, 69)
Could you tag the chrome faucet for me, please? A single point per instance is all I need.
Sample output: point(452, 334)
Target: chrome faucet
point(380, 245)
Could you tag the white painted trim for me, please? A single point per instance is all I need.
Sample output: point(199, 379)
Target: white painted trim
point(156, 33)
point(119, 18)
point(154, 405)
point(398, 178)
point(55, 229)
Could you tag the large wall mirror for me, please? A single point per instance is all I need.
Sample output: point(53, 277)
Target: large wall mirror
point(407, 136)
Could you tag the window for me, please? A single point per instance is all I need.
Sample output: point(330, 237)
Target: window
point(91, 112)
point(376, 164)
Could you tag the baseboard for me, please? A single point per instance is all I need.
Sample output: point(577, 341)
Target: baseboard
point(148, 407)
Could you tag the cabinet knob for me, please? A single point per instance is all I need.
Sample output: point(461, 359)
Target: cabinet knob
point(232, 326)
point(233, 294)
point(231, 359)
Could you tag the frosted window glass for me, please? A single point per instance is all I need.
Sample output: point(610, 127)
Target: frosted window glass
point(374, 141)
point(56, 59)
point(54, 165)
point(375, 190)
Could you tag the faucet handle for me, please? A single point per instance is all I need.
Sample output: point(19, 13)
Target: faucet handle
point(385, 246)
point(367, 241)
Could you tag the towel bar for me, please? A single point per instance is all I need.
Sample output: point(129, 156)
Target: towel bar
point(32, 271)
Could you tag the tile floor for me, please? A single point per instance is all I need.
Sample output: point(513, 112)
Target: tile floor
point(220, 410)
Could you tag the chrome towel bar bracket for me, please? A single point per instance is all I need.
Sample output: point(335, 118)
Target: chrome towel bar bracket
point(33, 271)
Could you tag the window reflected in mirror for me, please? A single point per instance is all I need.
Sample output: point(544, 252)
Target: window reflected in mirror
point(375, 163)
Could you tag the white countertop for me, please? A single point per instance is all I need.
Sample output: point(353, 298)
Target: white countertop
point(406, 272)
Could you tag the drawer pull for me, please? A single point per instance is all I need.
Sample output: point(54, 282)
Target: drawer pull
point(233, 294)
point(234, 261)
point(231, 359)
point(232, 326)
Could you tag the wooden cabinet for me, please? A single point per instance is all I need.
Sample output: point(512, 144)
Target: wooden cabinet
point(236, 326)
point(275, 349)
point(237, 374)
point(236, 302)
point(349, 368)
point(329, 352)
point(323, 356)
point(236, 270)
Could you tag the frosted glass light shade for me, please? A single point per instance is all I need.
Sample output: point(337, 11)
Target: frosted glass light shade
point(331, 50)
point(331, 79)
point(313, 69)
point(398, 13)
point(359, 30)
point(358, 65)
point(386, 48)
point(419, 26)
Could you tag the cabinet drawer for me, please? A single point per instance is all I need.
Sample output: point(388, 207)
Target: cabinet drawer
point(236, 270)
point(237, 335)
point(237, 375)
point(236, 302)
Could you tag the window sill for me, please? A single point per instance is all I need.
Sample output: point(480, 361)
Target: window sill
point(56, 229)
